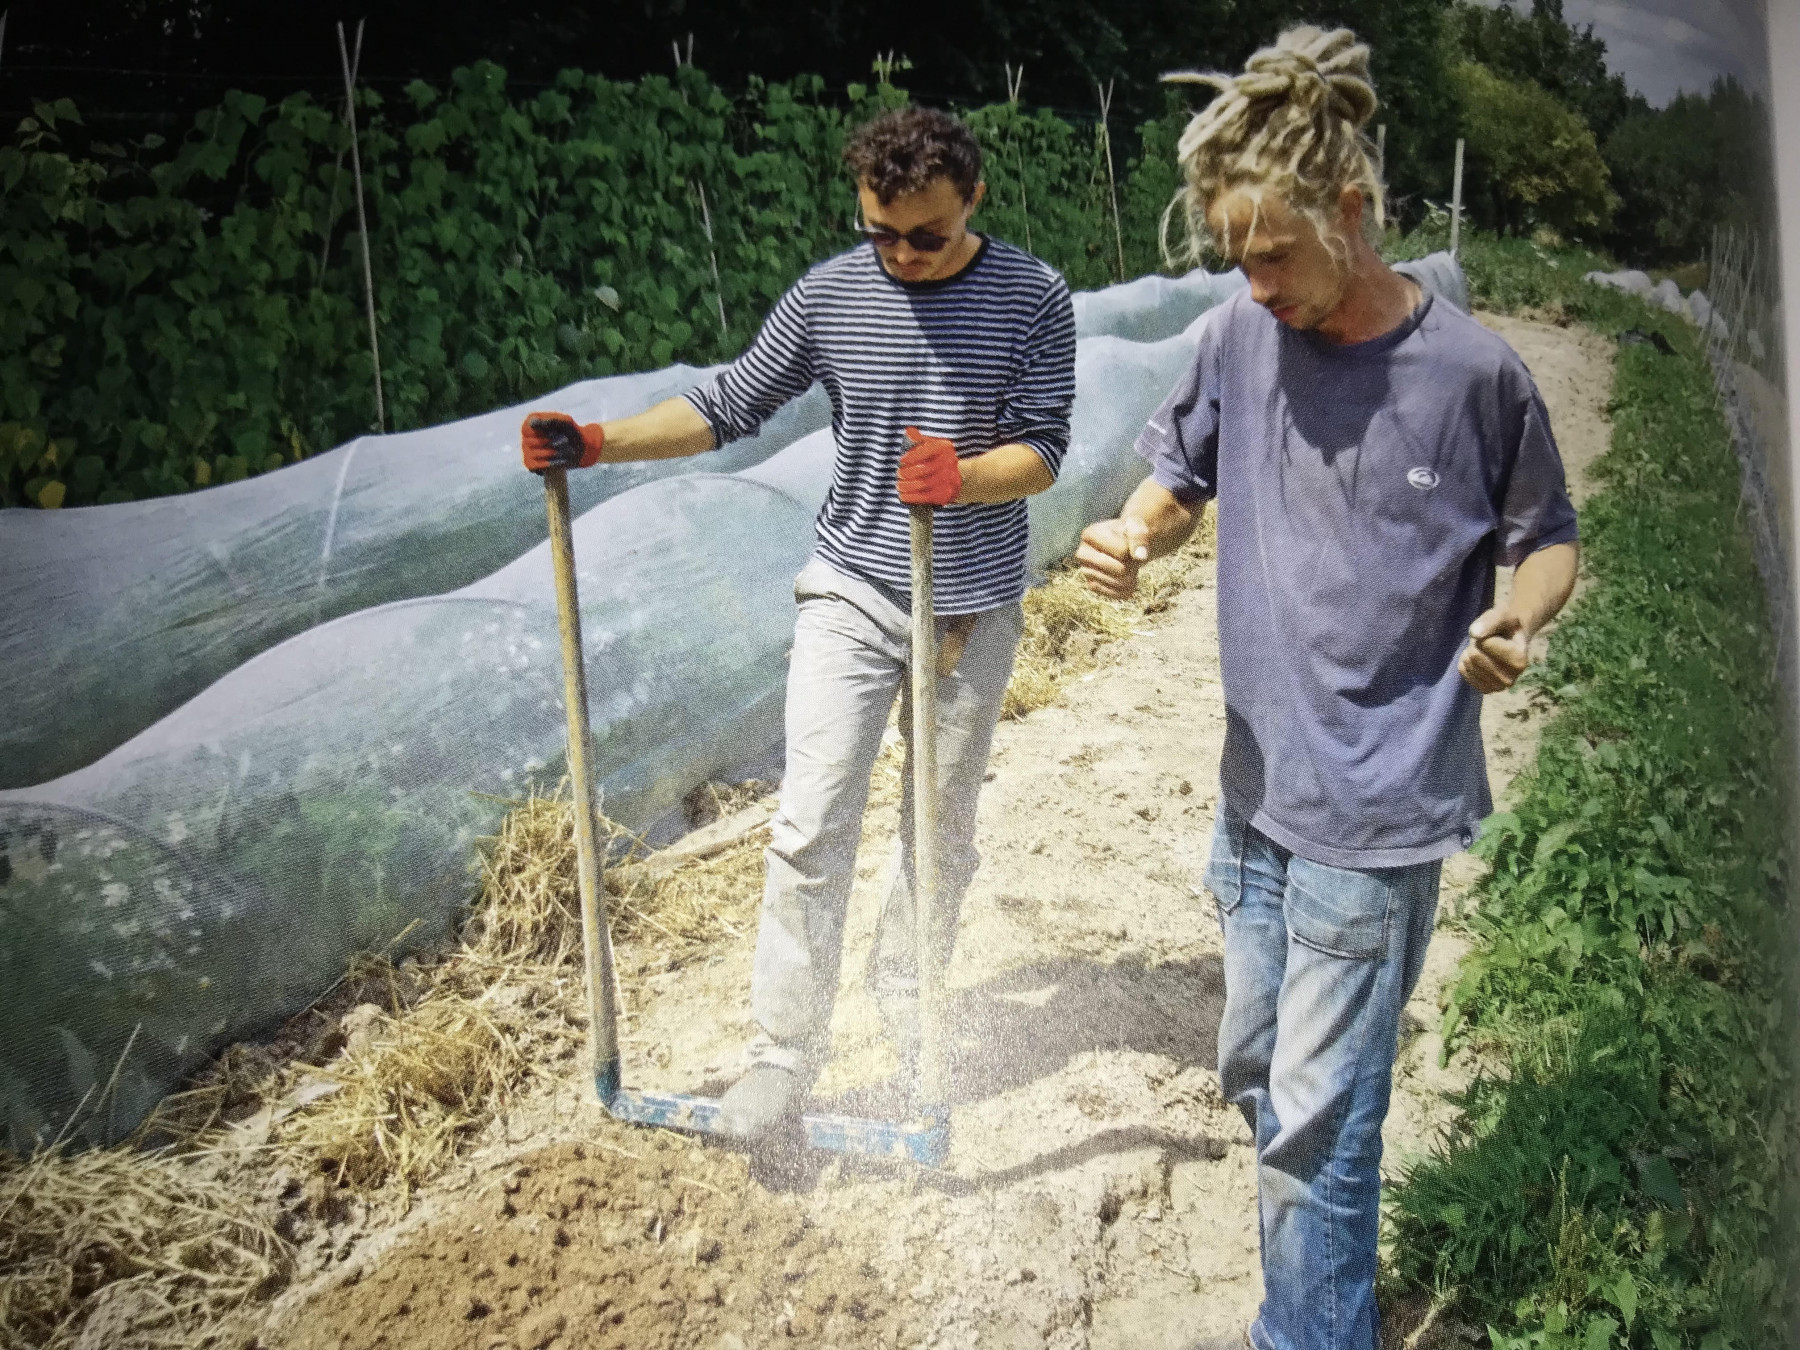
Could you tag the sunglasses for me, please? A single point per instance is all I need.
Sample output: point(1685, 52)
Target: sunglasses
point(921, 240)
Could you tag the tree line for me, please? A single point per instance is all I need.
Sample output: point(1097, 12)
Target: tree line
point(1555, 139)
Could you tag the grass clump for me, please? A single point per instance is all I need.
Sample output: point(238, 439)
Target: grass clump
point(1626, 1179)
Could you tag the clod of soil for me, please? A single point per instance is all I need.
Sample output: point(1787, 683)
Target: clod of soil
point(604, 1246)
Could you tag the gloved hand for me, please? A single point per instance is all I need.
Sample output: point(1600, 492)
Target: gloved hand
point(929, 473)
point(553, 440)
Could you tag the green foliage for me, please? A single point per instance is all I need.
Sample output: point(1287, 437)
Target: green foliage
point(1625, 1179)
point(1701, 162)
point(1530, 159)
point(190, 317)
point(1540, 47)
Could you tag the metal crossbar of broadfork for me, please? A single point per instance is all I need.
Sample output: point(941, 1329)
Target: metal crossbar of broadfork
point(925, 1139)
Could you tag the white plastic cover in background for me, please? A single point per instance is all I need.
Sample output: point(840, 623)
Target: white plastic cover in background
point(1154, 307)
point(110, 616)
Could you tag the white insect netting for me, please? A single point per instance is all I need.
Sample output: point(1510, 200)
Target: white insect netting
point(215, 871)
point(125, 612)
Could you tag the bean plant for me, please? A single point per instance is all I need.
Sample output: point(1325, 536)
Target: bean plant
point(174, 316)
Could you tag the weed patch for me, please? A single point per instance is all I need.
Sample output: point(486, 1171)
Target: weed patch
point(1626, 1180)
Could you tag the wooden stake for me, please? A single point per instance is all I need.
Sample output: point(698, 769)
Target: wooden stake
point(1112, 187)
point(362, 218)
point(3, 14)
point(337, 167)
point(1013, 81)
point(1456, 201)
point(1381, 150)
point(712, 252)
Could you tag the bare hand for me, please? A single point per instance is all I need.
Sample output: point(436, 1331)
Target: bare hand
point(1499, 651)
point(1111, 554)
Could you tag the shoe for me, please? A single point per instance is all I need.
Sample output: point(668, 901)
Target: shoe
point(764, 1102)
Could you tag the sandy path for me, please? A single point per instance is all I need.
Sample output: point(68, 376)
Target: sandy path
point(1100, 1193)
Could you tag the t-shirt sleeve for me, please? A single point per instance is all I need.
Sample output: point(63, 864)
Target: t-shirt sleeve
point(775, 369)
point(1037, 406)
point(1535, 511)
point(1181, 440)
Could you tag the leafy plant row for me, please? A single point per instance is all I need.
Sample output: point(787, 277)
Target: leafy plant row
point(174, 316)
point(1625, 1178)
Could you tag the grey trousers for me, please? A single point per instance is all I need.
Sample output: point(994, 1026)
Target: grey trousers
point(852, 646)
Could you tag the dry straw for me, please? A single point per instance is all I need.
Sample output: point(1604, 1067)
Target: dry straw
point(114, 1247)
point(1066, 624)
point(393, 1109)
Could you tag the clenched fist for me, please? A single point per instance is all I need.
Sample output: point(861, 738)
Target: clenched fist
point(553, 440)
point(929, 472)
point(1111, 554)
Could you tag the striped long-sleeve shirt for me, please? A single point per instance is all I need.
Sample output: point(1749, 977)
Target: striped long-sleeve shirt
point(984, 358)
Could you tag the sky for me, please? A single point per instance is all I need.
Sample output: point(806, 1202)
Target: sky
point(1663, 47)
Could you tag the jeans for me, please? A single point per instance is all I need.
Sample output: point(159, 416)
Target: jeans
point(1319, 962)
point(852, 646)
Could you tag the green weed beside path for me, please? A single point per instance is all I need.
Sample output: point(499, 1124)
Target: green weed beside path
point(1625, 1179)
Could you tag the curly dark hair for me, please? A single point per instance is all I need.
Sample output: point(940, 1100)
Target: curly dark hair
point(904, 149)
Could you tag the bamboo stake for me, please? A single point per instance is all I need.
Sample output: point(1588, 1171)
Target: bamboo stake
point(1112, 186)
point(362, 218)
point(337, 168)
point(3, 14)
point(712, 253)
point(1381, 150)
point(1456, 201)
point(1013, 81)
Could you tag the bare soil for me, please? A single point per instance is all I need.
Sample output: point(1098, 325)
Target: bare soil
point(1099, 1193)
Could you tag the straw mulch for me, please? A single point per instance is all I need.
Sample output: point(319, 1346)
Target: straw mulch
point(1066, 624)
point(115, 1247)
point(509, 1003)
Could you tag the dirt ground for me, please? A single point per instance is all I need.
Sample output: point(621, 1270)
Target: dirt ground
point(1099, 1192)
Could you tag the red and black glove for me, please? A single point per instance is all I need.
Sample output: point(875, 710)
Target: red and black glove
point(552, 440)
point(929, 473)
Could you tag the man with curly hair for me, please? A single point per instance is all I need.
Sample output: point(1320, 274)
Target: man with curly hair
point(1374, 454)
point(949, 359)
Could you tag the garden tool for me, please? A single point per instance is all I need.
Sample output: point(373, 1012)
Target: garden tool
point(923, 1141)
point(934, 1068)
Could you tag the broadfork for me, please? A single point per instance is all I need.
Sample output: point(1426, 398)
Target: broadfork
point(925, 1139)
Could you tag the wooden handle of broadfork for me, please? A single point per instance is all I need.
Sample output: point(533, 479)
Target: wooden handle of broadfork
point(934, 1072)
point(596, 940)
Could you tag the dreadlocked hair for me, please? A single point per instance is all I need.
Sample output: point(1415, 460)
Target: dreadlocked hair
point(1292, 124)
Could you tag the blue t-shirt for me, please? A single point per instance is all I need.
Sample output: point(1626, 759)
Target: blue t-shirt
point(1366, 492)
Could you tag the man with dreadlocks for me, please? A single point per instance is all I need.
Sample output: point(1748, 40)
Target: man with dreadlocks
point(1374, 455)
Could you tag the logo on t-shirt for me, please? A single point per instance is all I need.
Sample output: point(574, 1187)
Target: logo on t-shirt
point(1422, 478)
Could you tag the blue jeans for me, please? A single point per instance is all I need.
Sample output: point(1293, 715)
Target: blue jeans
point(1319, 962)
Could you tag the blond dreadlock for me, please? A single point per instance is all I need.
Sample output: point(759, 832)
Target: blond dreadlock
point(1291, 123)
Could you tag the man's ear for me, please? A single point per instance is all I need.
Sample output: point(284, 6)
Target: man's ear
point(1350, 209)
point(980, 193)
